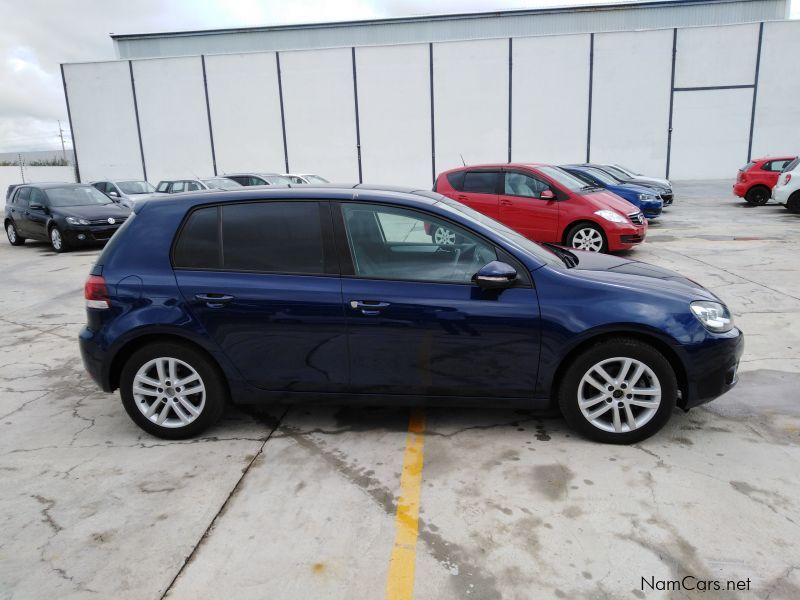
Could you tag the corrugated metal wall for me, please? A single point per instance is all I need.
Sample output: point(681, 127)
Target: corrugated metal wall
point(677, 13)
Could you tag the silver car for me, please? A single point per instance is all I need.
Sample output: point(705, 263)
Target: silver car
point(126, 191)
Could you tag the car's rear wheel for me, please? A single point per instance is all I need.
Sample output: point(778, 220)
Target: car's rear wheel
point(587, 236)
point(13, 237)
point(172, 391)
point(57, 240)
point(442, 236)
point(620, 391)
point(793, 203)
point(758, 195)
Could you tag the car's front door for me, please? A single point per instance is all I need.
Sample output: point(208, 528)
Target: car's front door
point(261, 278)
point(522, 207)
point(37, 215)
point(417, 324)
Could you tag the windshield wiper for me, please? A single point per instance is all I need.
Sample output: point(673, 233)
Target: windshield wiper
point(589, 188)
point(569, 258)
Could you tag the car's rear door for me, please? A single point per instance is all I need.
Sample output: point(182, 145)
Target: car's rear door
point(479, 190)
point(19, 208)
point(416, 323)
point(262, 280)
point(522, 208)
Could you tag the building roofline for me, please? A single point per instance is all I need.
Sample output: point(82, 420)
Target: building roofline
point(609, 6)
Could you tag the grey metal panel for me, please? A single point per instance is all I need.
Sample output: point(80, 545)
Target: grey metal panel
point(648, 15)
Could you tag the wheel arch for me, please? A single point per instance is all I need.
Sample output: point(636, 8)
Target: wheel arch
point(582, 221)
point(647, 337)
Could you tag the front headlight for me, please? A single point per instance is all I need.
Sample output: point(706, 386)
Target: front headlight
point(610, 215)
point(713, 315)
point(76, 221)
point(647, 197)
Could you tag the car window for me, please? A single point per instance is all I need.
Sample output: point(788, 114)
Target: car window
point(163, 186)
point(791, 166)
point(193, 186)
point(564, 178)
point(481, 182)
point(518, 184)
point(177, 186)
point(23, 196)
point(271, 237)
point(457, 180)
point(777, 165)
point(77, 196)
point(398, 243)
point(135, 187)
point(38, 197)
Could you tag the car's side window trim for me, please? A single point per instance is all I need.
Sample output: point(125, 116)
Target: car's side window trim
point(346, 257)
point(330, 256)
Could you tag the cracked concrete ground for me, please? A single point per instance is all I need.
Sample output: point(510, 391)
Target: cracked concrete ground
point(300, 502)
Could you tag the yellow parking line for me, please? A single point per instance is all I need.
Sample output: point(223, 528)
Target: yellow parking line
point(400, 583)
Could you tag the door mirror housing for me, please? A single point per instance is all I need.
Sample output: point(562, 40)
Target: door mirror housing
point(547, 194)
point(495, 276)
point(35, 206)
point(113, 194)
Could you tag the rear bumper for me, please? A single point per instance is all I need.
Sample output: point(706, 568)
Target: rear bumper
point(781, 194)
point(740, 189)
point(713, 368)
point(93, 355)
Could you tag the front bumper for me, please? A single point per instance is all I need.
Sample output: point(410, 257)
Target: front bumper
point(625, 237)
point(712, 368)
point(88, 234)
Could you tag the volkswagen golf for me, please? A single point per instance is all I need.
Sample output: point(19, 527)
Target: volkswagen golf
point(339, 295)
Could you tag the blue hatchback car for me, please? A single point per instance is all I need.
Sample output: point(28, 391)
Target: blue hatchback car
point(339, 295)
point(644, 198)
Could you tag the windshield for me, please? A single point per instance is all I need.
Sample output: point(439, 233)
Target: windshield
point(563, 178)
point(135, 187)
point(543, 254)
point(605, 178)
point(276, 179)
point(627, 172)
point(616, 173)
point(221, 183)
point(315, 179)
point(76, 196)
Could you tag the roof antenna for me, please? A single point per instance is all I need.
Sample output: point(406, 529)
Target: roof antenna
point(462, 159)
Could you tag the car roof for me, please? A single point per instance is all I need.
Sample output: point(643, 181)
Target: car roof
point(256, 173)
point(357, 191)
point(766, 158)
point(52, 184)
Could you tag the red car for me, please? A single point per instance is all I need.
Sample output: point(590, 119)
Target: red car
point(756, 179)
point(545, 204)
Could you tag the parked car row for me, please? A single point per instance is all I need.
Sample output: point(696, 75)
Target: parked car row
point(770, 177)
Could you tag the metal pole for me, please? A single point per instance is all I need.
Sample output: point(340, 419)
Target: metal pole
point(63, 148)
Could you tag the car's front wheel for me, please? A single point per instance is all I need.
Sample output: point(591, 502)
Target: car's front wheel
point(619, 391)
point(587, 236)
point(172, 391)
point(13, 237)
point(758, 195)
point(57, 240)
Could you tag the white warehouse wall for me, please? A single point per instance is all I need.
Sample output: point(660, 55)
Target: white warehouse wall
point(104, 120)
point(630, 99)
point(173, 118)
point(245, 112)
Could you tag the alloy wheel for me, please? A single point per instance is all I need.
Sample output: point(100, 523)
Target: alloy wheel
point(444, 237)
point(55, 238)
point(12, 233)
point(587, 238)
point(619, 395)
point(169, 392)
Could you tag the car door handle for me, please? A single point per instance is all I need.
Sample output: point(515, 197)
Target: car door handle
point(462, 197)
point(506, 202)
point(214, 300)
point(368, 307)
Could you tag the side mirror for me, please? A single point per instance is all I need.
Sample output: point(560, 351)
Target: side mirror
point(547, 195)
point(113, 194)
point(495, 276)
point(35, 206)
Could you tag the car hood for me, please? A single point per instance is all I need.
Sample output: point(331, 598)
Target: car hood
point(633, 273)
point(636, 187)
point(94, 211)
point(607, 199)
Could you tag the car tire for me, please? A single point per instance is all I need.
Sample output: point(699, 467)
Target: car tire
point(757, 195)
point(156, 404)
point(793, 203)
point(442, 236)
point(13, 237)
point(587, 236)
point(57, 241)
point(606, 415)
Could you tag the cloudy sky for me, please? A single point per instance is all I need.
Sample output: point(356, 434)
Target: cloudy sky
point(37, 35)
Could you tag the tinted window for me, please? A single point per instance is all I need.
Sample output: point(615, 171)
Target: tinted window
point(457, 180)
point(240, 180)
point(276, 237)
point(198, 245)
point(38, 197)
point(481, 182)
point(396, 243)
point(193, 186)
point(23, 196)
point(517, 184)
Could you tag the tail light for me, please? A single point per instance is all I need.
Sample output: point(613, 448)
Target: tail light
point(742, 176)
point(95, 292)
point(787, 179)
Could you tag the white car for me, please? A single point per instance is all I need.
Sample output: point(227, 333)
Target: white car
point(305, 178)
point(787, 190)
